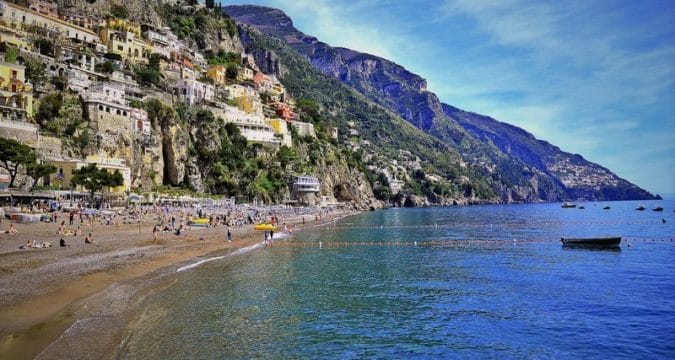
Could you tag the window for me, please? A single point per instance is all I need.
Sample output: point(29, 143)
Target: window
point(14, 74)
point(120, 47)
point(100, 107)
point(124, 113)
point(107, 109)
point(119, 112)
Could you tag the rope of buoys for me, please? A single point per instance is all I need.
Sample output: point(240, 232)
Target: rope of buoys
point(452, 243)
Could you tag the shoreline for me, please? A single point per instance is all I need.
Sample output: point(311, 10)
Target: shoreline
point(36, 315)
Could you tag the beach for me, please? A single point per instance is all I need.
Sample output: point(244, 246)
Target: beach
point(42, 289)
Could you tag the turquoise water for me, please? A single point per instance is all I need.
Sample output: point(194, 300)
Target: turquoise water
point(467, 299)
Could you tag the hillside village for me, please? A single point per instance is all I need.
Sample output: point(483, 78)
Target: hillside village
point(103, 71)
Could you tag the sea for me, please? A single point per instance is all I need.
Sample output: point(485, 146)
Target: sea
point(471, 282)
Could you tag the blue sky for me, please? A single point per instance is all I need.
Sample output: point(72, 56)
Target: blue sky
point(595, 78)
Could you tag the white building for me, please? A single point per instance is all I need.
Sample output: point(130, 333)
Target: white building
point(192, 92)
point(253, 127)
point(140, 122)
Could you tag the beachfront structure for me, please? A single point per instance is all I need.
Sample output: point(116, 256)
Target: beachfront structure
point(15, 16)
point(126, 44)
point(16, 95)
point(192, 92)
point(305, 183)
point(65, 168)
point(306, 188)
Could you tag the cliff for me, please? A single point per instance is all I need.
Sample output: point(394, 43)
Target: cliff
point(517, 166)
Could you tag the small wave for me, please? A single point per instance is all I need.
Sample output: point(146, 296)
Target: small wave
point(238, 252)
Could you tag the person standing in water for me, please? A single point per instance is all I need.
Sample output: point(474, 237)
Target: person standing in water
point(229, 233)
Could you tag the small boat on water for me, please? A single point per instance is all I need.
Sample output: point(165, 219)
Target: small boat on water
point(581, 207)
point(658, 208)
point(597, 242)
point(606, 207)
point(640, 208)
point(567, 205)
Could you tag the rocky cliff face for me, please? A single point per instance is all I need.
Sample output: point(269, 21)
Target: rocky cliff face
point(504, 155)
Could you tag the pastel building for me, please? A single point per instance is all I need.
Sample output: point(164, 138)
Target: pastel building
point(217, 73)
point(107, 108)
point(281, 128)
point(126, 44)
point(65, 168)
point(21, 18)
point(193, 92)
point(16, 95)
point(140, 122)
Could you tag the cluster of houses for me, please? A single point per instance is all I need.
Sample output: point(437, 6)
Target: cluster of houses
point(256, 102)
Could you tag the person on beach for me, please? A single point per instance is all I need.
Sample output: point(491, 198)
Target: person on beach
point(78, 231)
point(71, 217)
point(62, 243)
point(155, 233)
point(88, 239)
point(229, 234)
point(11, 230)
point(266, 237)
point(271, 234)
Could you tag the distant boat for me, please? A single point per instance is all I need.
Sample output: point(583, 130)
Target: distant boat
point(581, 207)
point(606, 207)
point(597, 242)
point(658, 208)
point(640, 208)
point(568, 205)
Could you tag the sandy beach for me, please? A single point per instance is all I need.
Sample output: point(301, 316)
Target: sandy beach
point(41, 289)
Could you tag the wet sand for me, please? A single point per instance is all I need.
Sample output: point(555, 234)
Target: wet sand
point(42, 291)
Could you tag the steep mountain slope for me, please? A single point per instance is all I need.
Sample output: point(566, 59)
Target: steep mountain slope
point(378, 137)
point(516, 165)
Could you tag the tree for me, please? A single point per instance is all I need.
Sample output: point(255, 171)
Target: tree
point(36, 72)
point(13, 155)
point(37, 171)
point(210, 4)
point(45, 46)
point(94, 179)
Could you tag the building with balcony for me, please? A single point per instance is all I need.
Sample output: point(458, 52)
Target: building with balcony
point(126, 44)
point(16, 95)
point(44, 7)
point(192, 92)
point(306, 184)
point(18, 17)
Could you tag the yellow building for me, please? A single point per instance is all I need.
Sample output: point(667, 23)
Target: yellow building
point(281, 127)
point(249, 104)
point(18, 42)
point(65, 168)
point(126, 44)
point(16, 96)
point(22, 18)
point(244, 74)
point(123, 25)
point(218, 74)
